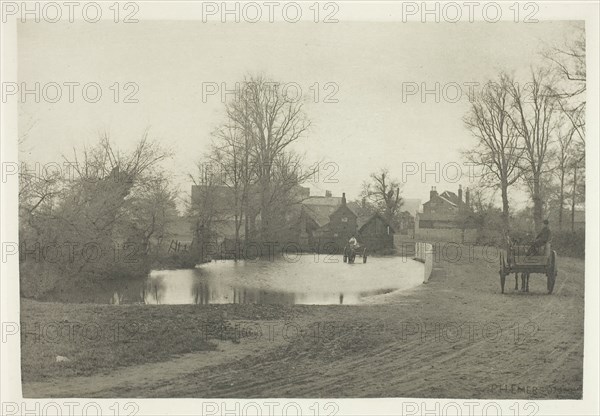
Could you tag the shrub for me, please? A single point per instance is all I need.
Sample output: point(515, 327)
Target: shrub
point(569, 243)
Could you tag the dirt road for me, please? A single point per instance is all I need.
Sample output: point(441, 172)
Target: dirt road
point(456, 336)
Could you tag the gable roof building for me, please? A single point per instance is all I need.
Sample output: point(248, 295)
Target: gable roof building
point(333, 220)
point(446, 216)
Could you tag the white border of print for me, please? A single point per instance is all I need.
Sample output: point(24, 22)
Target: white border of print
point(10, 387)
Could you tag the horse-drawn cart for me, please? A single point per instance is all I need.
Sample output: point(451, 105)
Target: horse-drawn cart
point(518, 259)
point(350, 253)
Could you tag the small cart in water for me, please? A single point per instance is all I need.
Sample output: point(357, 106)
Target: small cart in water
point(517, 261)
point(351, 252)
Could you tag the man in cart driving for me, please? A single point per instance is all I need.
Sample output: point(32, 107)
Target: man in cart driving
point(540, 240)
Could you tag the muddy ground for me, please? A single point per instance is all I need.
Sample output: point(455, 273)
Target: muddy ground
point(456, 336)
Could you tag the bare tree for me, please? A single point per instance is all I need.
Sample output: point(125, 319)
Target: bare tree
point(569, 62)
point(153, 211)
point(106, 201)
point(534, 119)
point(497, 151)
point(231, 157)
point(578, 183)
point(272, 122)
point(384, 192)
point(564, 163)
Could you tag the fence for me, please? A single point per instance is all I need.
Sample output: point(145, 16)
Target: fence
point(424, 254)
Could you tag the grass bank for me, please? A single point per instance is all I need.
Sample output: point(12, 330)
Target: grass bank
point(100, 338)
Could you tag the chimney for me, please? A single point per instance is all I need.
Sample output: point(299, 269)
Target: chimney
point(467, 198)
point(364, 203)
point(328, 194)
point(459, 193)
point(344, 198)
point(433, 193)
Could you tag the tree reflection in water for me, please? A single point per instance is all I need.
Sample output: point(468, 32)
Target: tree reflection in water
point(305, 282)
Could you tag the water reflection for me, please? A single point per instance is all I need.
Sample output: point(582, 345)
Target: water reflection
point(308, 280)
point(204, 294)
point(278, 282)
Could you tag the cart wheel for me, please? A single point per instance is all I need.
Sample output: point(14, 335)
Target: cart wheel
point(502, 272)
point(551, 272)
point(365, 255)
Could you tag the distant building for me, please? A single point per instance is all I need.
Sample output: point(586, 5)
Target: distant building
point(446, 217)
point(406, 221)
point(328, 222)
point(376, 232)
point(323, 223)
point(222, 207)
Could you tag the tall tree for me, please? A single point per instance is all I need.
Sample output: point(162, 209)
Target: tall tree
point(497, 151)
point(231, 157)
point(564, 163)
point(272, 122)
point(569, 62)
point(534, 119)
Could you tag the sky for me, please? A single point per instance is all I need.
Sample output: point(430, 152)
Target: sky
point(371, 125)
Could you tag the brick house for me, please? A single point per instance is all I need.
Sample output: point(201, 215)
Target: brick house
point(327, 223)
point(446, 217)
point(376, 233)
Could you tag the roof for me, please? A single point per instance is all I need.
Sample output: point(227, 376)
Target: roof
point(368, 219)
point(319, 213)
point(450, 197)
point(354, 207)
point(320, 208)
point(332, 201)
point(362, 220)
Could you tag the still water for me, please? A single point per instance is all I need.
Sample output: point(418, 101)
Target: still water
point(309, 280)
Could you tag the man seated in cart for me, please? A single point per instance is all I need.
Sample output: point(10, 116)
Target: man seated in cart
point(353, 243)
point(540, 240)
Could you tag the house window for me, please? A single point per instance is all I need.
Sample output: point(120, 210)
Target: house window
point(344, 219)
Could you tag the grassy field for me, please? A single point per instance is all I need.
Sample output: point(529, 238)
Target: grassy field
point(101, 338)
point(456, 336)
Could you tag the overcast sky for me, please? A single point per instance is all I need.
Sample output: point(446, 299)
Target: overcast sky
point(368, 128)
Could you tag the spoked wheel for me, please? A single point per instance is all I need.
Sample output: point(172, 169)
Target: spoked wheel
point(552, 272)
point(502, 272)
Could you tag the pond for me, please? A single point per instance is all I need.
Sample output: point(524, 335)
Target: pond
point(308, 280)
